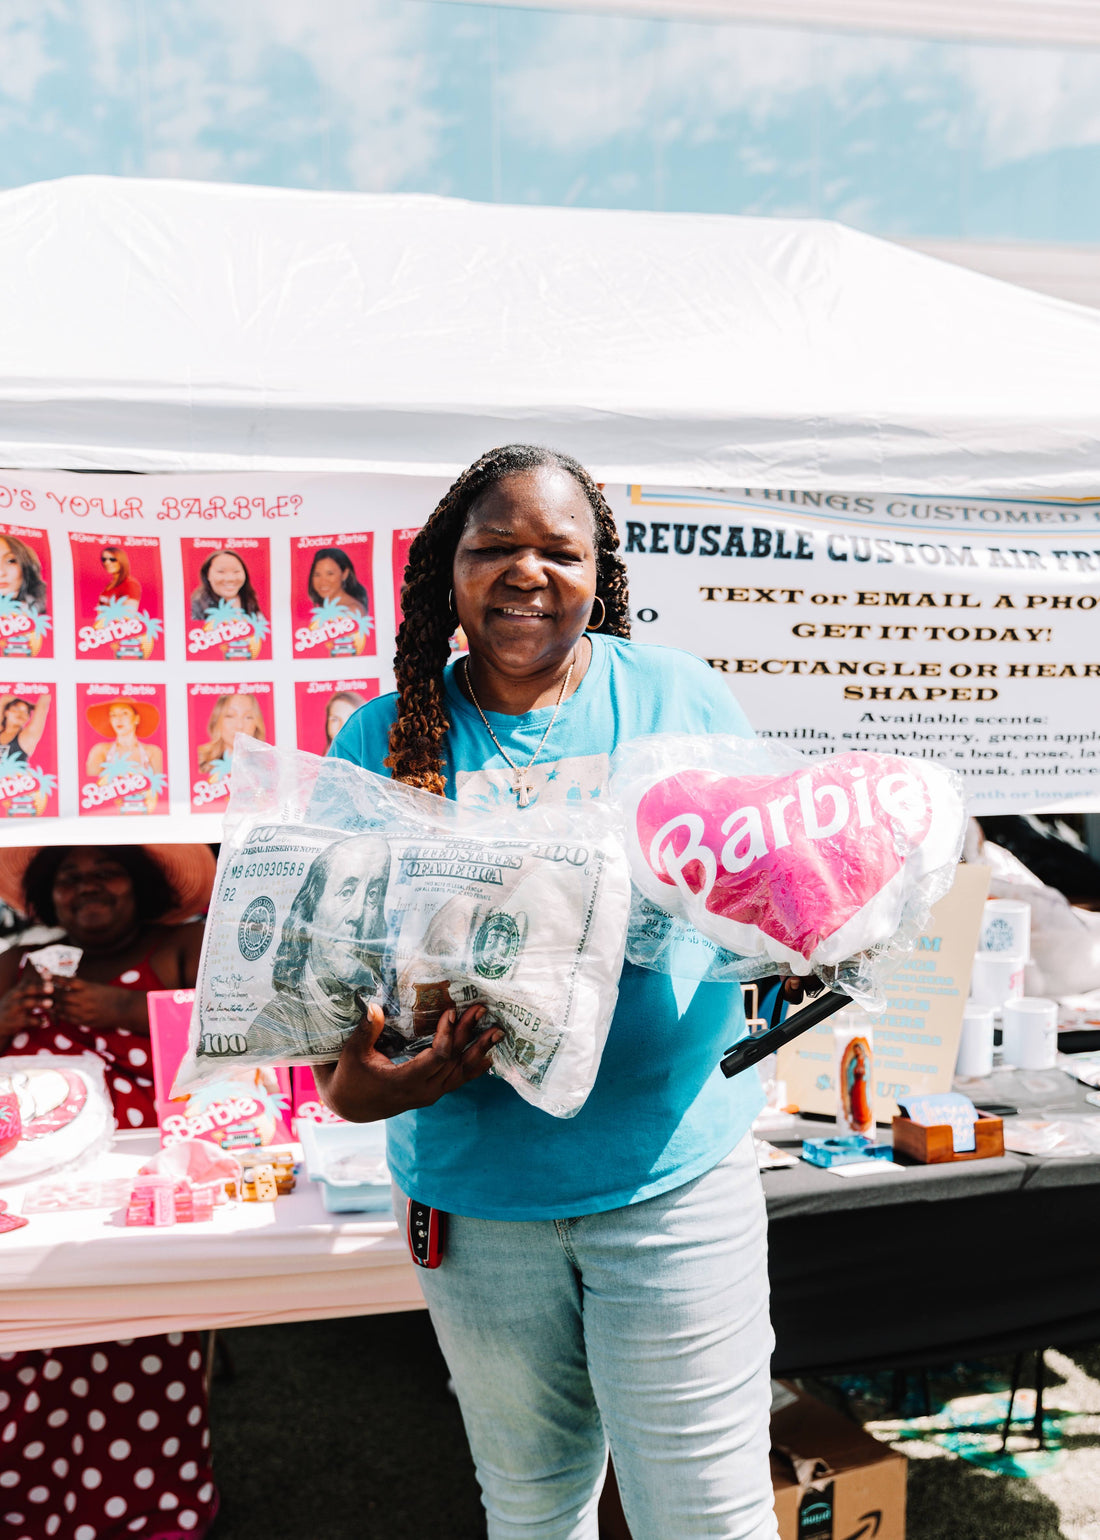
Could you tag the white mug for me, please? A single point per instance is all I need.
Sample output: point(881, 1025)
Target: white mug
point(975, 1057)
point(1006, 928)
point(996, 978)
point(1031, 1033)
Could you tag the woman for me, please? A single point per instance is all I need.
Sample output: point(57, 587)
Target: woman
point(21, 573)
point(332, 578)
point(232, 714)
point(129, 722)
point(22, 726)
point(223, 579)
point(604, 1280)
point(340, 707)
point(86, 1458)
point(119, 584)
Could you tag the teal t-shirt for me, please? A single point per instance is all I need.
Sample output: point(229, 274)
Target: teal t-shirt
point(660, 1112)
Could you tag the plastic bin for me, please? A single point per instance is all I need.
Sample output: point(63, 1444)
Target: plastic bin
point(348, 1160)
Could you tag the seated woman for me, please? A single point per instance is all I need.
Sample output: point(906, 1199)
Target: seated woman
point(106, 1439)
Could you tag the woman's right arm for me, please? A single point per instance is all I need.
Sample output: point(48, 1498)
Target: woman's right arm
point(364, 1086)
point(32, 733)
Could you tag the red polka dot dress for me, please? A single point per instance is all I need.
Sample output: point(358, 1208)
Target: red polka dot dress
point(109, 1440)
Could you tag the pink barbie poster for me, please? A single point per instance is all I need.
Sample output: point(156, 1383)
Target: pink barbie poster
point(122, 733)
point(119, 597)
point(227, 595)
point(216, 714)
point(324, 705)
point(26, 608)
point(28, 750)
point(402, 540)
point(332, 595)
point(243, 1110)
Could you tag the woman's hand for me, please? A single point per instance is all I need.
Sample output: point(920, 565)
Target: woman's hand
point(100, 1006)
point(363, 1085)
point(26, 1004)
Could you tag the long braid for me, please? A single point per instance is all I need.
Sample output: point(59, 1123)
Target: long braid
point(417, 735)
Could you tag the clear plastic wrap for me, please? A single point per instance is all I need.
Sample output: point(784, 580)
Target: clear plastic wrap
point(65, 1110)
point(338, 888)
point(749, 858)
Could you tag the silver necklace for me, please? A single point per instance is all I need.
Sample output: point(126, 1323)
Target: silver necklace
point(521, 785)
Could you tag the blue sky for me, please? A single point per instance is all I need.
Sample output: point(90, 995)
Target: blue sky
point(898, 136)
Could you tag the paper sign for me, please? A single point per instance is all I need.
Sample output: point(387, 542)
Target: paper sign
point(307, 1100)
point(916, 1038)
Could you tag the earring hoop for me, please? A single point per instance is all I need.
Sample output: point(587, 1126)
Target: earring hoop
point(451, 602)
point(603, 616)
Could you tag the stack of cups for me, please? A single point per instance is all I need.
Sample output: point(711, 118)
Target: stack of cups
point(996, 980)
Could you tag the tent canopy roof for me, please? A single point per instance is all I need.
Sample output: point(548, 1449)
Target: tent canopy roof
point(160, 325)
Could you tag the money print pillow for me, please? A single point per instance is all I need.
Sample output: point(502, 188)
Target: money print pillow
point(338, 888)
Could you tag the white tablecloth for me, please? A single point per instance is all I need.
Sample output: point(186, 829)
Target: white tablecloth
point(83, 1276)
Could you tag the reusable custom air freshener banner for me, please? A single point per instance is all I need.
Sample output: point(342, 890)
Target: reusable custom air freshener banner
point(816, 865)
point(338, 888)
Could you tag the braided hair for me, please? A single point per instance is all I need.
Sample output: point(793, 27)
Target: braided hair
point(423, 642)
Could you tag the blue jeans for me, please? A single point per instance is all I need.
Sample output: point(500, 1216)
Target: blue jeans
point(645, 1328)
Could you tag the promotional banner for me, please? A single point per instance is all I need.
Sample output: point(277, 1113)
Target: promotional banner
point(118, 597)
point(135, 610)
point(26, 593)
point(28, 750)
point(216, 715)
point(227, 585)
point(322, 706)
point(958, 630)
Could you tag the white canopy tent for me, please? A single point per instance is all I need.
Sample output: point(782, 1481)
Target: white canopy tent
point(169, 326)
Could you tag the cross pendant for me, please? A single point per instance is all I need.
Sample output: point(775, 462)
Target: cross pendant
point(523, 791)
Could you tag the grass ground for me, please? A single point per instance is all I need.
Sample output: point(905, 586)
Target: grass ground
point(345, 1430)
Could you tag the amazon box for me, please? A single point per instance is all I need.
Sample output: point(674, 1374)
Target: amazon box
point(832, 1481)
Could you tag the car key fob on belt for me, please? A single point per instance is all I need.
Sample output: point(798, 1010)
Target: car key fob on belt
point(426, 1230)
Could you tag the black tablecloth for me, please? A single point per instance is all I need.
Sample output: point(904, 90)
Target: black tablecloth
point(941, 1262)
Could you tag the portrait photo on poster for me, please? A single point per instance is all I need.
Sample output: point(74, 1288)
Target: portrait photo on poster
point(26, 601)
point(122, 736)
point(332, 595)
point(402, 540)
point(322, 706)
point(28, 750)
point(118, 594)
point(227, 598)
point(216, 714)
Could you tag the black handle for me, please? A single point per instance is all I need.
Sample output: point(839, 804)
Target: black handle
point(750, 1050)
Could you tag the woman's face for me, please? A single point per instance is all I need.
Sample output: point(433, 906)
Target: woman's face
point(110, 563)
point(328, 578)
point(93, 895)
point(16, 716)
point(226, 575)
point(336, 715)
point(239, 716)
point(123, 720)
point(11, 570)
point(525, 572)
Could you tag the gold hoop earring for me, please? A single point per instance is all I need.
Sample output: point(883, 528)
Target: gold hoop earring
point(451, 602)
point(603, 616)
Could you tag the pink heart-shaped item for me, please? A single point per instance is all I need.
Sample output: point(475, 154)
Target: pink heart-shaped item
point(796, 856)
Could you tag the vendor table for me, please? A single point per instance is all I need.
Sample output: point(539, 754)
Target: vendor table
point(920, 1266)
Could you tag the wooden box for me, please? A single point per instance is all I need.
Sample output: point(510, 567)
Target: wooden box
point(929, 1146)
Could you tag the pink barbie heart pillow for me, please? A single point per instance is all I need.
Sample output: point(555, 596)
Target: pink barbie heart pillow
point(809, 863)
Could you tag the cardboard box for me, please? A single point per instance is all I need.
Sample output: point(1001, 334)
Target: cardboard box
point(832, 1481)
